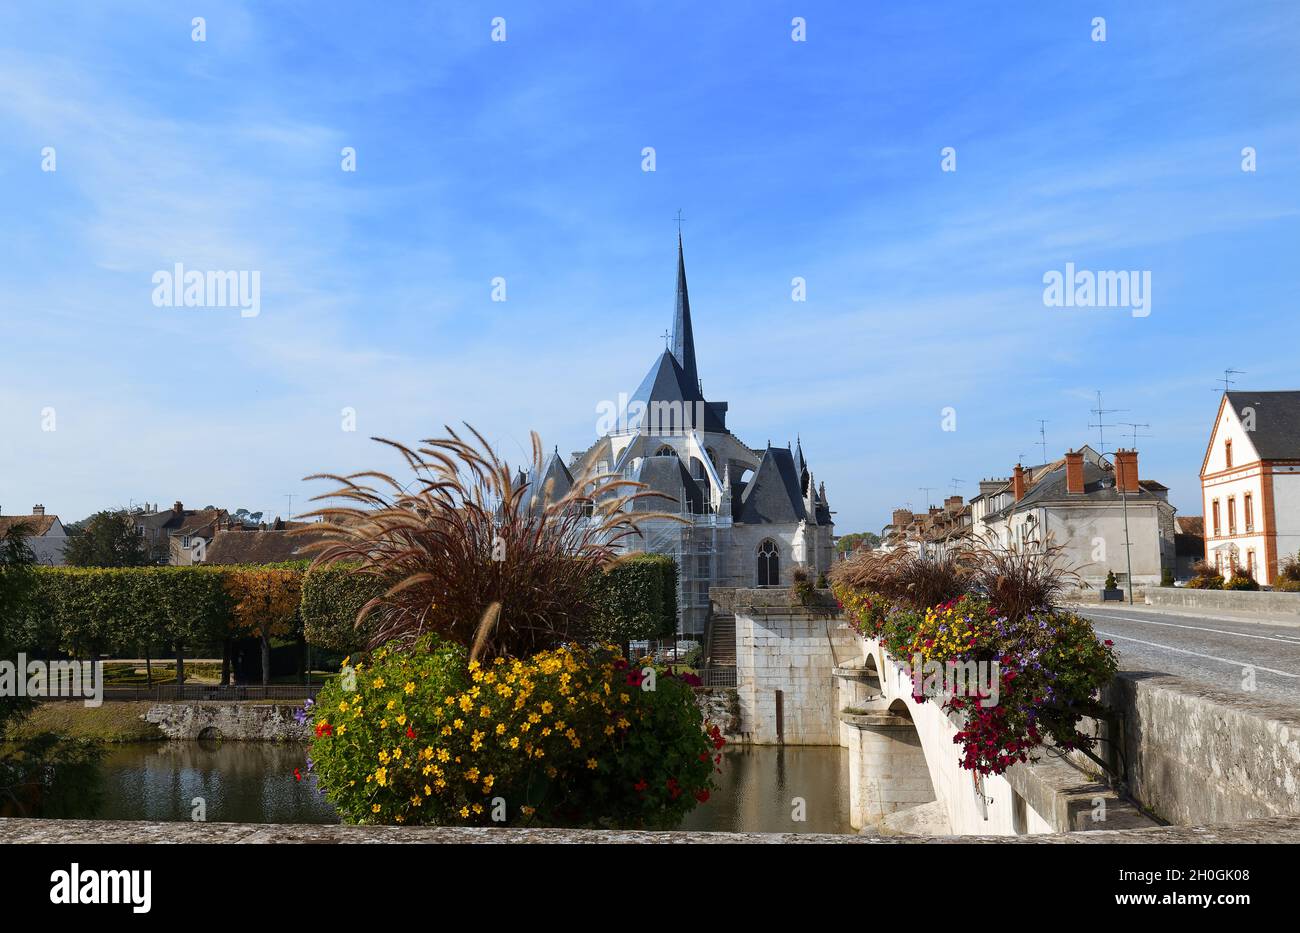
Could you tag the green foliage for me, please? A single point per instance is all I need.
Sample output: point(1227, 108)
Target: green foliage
point(41, 774)
point(109, 539)
point(332, 598)
point(846, 543)
point(1241, 579)
point(635, 598)
point(1111, 582)
point(567, 737)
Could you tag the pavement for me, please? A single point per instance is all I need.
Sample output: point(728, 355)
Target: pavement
point(1220, 650)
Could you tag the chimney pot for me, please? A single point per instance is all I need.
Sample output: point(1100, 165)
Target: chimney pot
point(38, 509)
point(1018, 482)
point(177, 507)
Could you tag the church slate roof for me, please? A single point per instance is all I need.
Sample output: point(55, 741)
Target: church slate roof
point(683, 334)
point(666, 384)
point(772, 495)
point(667, 475)
point(1277, 422)
point(557, 475)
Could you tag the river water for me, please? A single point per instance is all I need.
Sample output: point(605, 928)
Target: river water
point(761, 788)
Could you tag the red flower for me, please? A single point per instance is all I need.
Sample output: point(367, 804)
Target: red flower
point(640, 786)
point(410, 732)
point(1108, 643)
point(702, 795)
point(324, 728)
point(297, 775)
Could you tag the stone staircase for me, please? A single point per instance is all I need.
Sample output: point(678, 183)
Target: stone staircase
point(722, 641)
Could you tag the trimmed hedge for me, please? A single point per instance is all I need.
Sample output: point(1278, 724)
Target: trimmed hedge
point(331, 598)
point(635, 598)
point(92, 610)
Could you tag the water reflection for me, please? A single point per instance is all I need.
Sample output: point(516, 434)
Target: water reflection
point(253, 782)
point(239, 782)
point(758, 786)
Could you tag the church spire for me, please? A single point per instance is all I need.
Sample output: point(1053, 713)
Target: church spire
point(683, 336)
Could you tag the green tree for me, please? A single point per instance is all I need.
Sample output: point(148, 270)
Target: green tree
point(108, 540)
point(850, 542)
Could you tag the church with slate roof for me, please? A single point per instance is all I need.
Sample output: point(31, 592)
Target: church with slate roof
point(753, 515)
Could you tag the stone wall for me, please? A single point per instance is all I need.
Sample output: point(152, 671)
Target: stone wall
point(250, 722)
point(1277, 830)
point(1277, 605)
point(787, 656)
point(1198, 755)
point(721, 708)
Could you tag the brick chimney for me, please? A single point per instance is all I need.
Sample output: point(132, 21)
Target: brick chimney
point(1126, 470)
point(177, 507)
point(952, 504)
point(1074, 473)
point(1018, 482)
point(38, 510)
point(901, 518)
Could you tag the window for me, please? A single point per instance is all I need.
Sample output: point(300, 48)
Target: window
point(1249, 507)
point(1218, 563)
point(665, 451)
point(1215, 510)
point(769, 564)
point(1227, 453)
point(1232, 515)
point(1250, 562)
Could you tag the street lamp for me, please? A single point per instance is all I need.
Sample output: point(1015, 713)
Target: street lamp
point(1123, 496)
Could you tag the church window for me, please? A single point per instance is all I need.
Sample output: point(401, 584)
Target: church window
point(769, 564)
point(665, 451)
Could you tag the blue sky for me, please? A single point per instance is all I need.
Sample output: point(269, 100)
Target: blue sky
point(522, 159)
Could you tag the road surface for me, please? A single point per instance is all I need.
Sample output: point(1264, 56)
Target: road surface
point(1217, 653)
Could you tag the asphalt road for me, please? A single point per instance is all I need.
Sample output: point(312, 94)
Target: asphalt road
point(1217, 653)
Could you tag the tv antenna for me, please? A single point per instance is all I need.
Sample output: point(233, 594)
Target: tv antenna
point(927, 490)
point(1227, 380)
point(1136, 435)
point(1042, 436)
point(1101, 426)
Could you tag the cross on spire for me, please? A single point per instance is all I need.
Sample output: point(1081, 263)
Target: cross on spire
point(680, 220)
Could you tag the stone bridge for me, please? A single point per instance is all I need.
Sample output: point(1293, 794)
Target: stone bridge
point(1176, 753)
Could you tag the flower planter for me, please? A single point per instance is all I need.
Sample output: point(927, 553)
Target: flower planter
point(1109, 595)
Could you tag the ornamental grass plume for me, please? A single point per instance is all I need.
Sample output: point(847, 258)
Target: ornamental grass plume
point(1021, 579)
point(905, 576)
point(468, 534)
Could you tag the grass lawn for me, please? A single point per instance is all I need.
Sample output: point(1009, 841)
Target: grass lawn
point(113, 722)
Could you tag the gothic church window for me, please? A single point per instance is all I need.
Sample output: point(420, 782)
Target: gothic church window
point(769, 564)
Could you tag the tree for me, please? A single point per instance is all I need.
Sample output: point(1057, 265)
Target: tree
point(851, 542)
point(108, 540)
point(265, 604)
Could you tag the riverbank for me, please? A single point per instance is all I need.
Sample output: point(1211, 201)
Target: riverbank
point(112, 722)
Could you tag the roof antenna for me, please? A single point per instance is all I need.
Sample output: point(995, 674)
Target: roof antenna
point(1042, 434)
point(1231, 372)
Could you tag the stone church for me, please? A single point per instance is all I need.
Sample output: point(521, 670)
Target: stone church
point(753, 515)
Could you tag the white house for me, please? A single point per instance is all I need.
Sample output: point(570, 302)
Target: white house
point(47, 537)
point(1250, 483)
point(1084, 504)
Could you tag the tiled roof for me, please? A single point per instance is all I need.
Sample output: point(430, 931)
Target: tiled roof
point(37, 524)
point(259, 547)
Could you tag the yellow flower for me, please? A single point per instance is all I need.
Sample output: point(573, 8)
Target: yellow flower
point(547, 707)
point(464, 813)
point(443, 754)
point(527, 810)
point(472, 775)
point(591, 764)
point(514, 742)
point(375, 808)
point(381, 777)
point(410, 687)
point(397, 753)
point(343, 706)
point(401, 720)
point(427, 790)
point(458, 724)
point(378, 683)
point(500, 729)
point(391, 704)
point(383, 756)
point(383, 723)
